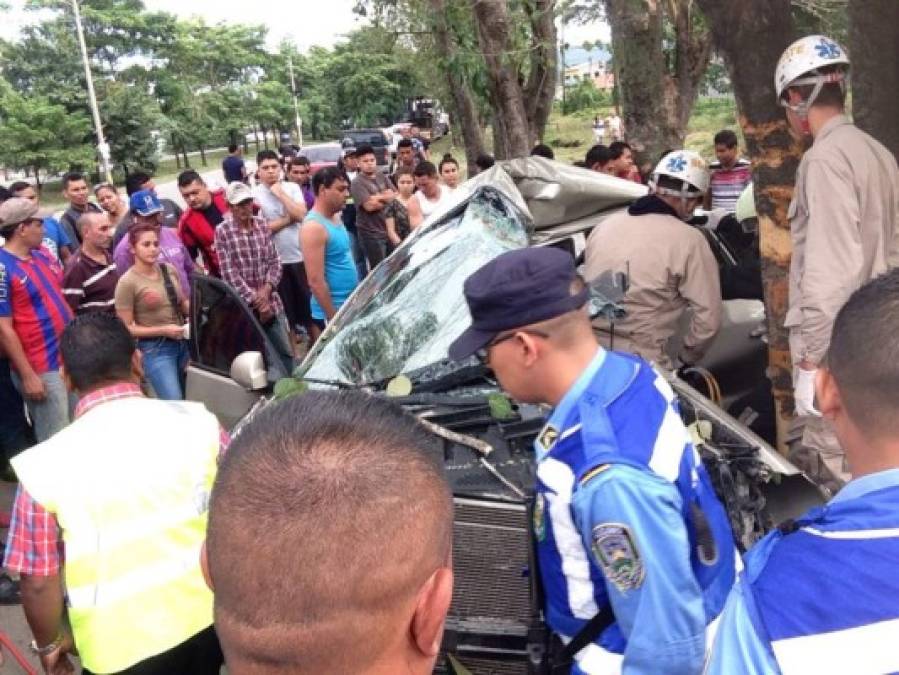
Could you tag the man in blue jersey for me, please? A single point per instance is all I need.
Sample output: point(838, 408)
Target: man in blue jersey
point(635, 551)
point(821, 594)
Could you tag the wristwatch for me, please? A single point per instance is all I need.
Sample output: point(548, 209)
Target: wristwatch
point(47, 649)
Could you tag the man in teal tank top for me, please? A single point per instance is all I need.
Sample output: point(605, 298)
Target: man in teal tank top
point(326, 247)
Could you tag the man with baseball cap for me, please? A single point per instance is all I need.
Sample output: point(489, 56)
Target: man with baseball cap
point(145, 207)
point(33, 314)
point(250, 264)
point(635, 551)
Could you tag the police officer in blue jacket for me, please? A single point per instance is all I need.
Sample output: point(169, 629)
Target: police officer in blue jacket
point(821, 594)
point(635, 551)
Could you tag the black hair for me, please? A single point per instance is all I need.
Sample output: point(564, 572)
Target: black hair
point(484, 162)
point(617, 149)
point(405, 143)
point(134, 182)
point(185, 178)
point(96, 348)
point(72, 177)
point(326, 177)
point(543, 150)
point(863, 356)
point(18, 186)
point(233, 148)
point(447, 159)
point(363, 150)
point(299, 160)
point(4, 194)
point(425, 168)
point(263, 155)
point(727, 138)
point(598, 154)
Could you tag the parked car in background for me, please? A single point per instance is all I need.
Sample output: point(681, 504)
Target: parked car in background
point(321, 155)
point(376, 138)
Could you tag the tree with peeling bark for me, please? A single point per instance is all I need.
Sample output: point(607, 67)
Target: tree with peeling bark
point(751, 36)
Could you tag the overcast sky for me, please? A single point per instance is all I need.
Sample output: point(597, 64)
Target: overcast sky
point(306, 22)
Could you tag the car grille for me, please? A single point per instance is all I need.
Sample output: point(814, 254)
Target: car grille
point(488, 621)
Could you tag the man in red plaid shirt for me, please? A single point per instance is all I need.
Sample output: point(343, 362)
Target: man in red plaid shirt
point(250, 264)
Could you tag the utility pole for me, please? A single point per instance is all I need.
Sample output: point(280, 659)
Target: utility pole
point(296, 105)
point(102, 145)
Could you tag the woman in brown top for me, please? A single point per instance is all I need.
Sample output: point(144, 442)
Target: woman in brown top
point(111, 202)
point(403, 214)
point(150, 302)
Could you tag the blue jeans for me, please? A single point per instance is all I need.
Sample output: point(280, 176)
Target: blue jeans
point(51, 414)
point(164, 364)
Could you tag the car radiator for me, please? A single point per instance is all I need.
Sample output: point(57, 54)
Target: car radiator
point(492, 610)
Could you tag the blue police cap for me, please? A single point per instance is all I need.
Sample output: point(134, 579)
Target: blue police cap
point(516, 289)
point(145, 203)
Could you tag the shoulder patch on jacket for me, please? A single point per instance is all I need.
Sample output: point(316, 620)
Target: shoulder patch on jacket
point(617, 556)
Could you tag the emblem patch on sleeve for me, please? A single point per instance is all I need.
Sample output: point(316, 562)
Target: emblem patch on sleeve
point(548, 437)
point(617, 555)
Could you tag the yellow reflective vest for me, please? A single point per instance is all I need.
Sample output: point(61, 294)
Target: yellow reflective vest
point(129, 484)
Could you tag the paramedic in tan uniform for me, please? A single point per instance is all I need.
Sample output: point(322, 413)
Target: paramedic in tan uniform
point(670, 266)
point(842, 223)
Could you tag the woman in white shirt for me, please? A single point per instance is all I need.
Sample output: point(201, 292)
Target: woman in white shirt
point(449, 173)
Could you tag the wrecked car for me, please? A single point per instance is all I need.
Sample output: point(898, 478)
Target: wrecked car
point(391, 338)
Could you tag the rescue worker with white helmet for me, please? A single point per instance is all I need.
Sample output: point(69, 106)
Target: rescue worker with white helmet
point(843, 221)
point(669, 265)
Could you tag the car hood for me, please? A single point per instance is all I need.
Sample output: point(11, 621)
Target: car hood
point(405, 314)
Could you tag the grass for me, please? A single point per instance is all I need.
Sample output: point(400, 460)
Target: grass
point(571, 136)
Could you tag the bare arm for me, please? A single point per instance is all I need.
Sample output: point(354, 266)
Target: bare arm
point(313, 240)
point(32, 384)
point(416, 217)
point(391, 230)
point(279, 224)
point(169, 330)
point(295, 210)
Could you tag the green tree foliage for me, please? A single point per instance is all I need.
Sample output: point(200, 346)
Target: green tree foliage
point(584, 96)
point(41, 136)
point(130, 115)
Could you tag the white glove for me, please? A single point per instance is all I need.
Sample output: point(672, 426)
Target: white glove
point(804, 393)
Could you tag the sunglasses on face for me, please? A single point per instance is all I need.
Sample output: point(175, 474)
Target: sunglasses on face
point(483, 354)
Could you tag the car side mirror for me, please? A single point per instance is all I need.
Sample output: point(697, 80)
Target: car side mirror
point(248, 370)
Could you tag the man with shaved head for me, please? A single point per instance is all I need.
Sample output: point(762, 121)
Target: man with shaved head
point(329, 541)
point(90, 277)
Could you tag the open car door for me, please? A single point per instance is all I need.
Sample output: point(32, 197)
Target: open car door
point(232, 363)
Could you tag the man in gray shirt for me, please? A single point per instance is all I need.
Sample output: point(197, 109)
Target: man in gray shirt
point(283, 208)
point(371, 192)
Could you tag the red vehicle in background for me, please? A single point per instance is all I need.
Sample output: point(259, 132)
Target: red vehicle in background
point(321, 155)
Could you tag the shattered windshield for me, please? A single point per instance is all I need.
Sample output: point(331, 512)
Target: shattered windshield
point(407, 312)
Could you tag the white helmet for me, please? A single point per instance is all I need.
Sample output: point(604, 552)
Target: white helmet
point(686, 166)
point(805, 57)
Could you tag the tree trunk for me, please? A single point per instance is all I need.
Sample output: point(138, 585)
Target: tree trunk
point(656, 99)
point(37, 177)
point(264, 136)
point(540, 90)
point(873, 36)
point(186, 159)
point(256, 137)
point(639, 62)
point(494, 27)
point(175, 148)
point(463, 105)
point(203, 155)
point(751, 36)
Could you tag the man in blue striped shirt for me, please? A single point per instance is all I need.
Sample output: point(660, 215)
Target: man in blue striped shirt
point(635, 551)
point(821, 594)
